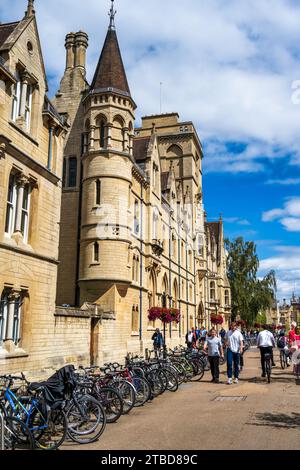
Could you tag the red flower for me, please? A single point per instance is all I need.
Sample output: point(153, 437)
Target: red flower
point(166, 315)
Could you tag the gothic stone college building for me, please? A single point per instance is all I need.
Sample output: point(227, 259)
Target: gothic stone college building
point(100, 220)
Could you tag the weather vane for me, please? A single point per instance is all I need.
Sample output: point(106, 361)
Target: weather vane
point(112, 14)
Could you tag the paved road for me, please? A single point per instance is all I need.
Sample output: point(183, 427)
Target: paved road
point(202, 416)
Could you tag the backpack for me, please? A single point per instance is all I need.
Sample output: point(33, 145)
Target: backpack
point(281, 342)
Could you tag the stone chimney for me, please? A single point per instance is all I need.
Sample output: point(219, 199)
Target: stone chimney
point(30, 9)
point(69, 45)
point(80, 47)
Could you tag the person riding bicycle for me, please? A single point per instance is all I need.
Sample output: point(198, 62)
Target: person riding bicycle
point(266, 343)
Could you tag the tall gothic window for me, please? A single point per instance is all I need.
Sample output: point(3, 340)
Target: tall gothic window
point(11, 205)
point(200, 245)
point(25, 212)
point(102, 134)
point(98, 192)
point(28, 104)
point(96, 252)
point(10, 317)
point(72, 172)
point(212, 290)
point(17, 214)
point(226, 297)
point(16, 103)
point(136, 217)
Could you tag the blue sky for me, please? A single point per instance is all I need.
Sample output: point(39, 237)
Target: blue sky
point(233, 68)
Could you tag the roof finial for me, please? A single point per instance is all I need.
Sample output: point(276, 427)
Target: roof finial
point(112, 14)
point(30, 8)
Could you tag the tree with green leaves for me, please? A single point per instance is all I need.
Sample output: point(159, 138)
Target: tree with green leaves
point(249, 295)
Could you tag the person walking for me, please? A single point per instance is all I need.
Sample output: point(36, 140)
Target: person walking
point(266, 343)
point(235, 345)
point(158, 340)
point(203, 334)
point(189, 339)
point(213, 345)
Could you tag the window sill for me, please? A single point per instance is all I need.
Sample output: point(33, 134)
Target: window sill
point(4, 354)
point(135, 335)
point(24, 133)
point(95, 264)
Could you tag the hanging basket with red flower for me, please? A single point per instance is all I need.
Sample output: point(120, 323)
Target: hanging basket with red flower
point(216, 319)
point(166, 315)
point(242, 323)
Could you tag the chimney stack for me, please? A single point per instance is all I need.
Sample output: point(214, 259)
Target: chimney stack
point(30, 9)
point(69, 45)
point(80, 47)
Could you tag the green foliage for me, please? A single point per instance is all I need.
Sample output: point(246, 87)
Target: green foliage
point(249, 295)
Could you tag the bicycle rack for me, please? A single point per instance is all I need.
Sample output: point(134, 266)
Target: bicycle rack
point(1, 431)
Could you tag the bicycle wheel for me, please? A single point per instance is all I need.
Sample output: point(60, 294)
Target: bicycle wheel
point(86, 420)
point(282, 359)
point(158, 385)
point(142, 389)
point(112, 402)
point(172, 382)
point(127, 393)
point(268, 369)
point(55, 431)
point(16, 434)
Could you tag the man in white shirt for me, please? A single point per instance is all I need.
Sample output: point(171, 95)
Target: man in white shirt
point(266, 343)
point(235, 343)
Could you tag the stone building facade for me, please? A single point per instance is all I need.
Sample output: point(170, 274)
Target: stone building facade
point(99, 220)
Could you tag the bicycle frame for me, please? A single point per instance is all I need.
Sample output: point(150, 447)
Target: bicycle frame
point(16, 404)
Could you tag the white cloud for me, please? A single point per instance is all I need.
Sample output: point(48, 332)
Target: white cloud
point(287, 268)
point(236, 220)
point(285, 182)
point(227, 65)
point(289, 216)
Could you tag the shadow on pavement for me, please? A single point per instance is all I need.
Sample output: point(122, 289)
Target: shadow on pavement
point(277, 420)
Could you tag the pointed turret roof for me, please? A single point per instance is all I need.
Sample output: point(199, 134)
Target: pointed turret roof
point(110, 72)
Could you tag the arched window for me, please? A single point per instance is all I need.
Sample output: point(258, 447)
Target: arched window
point(152, 293)
point(137, 268)
point(175, 294)
point(165, 291)
point(135, 320)
point(226, 297)
point(96, 252)
point(212, 290)
point(191, 293)
point(118, 134)
point(98, 192)
point(133, 268)
point(100, 132)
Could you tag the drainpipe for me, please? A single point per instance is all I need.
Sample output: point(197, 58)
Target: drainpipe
point(50, 148)
point(141, 265)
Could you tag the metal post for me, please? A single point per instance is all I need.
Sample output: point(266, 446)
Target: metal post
point(1, 431)
point(164, 345)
